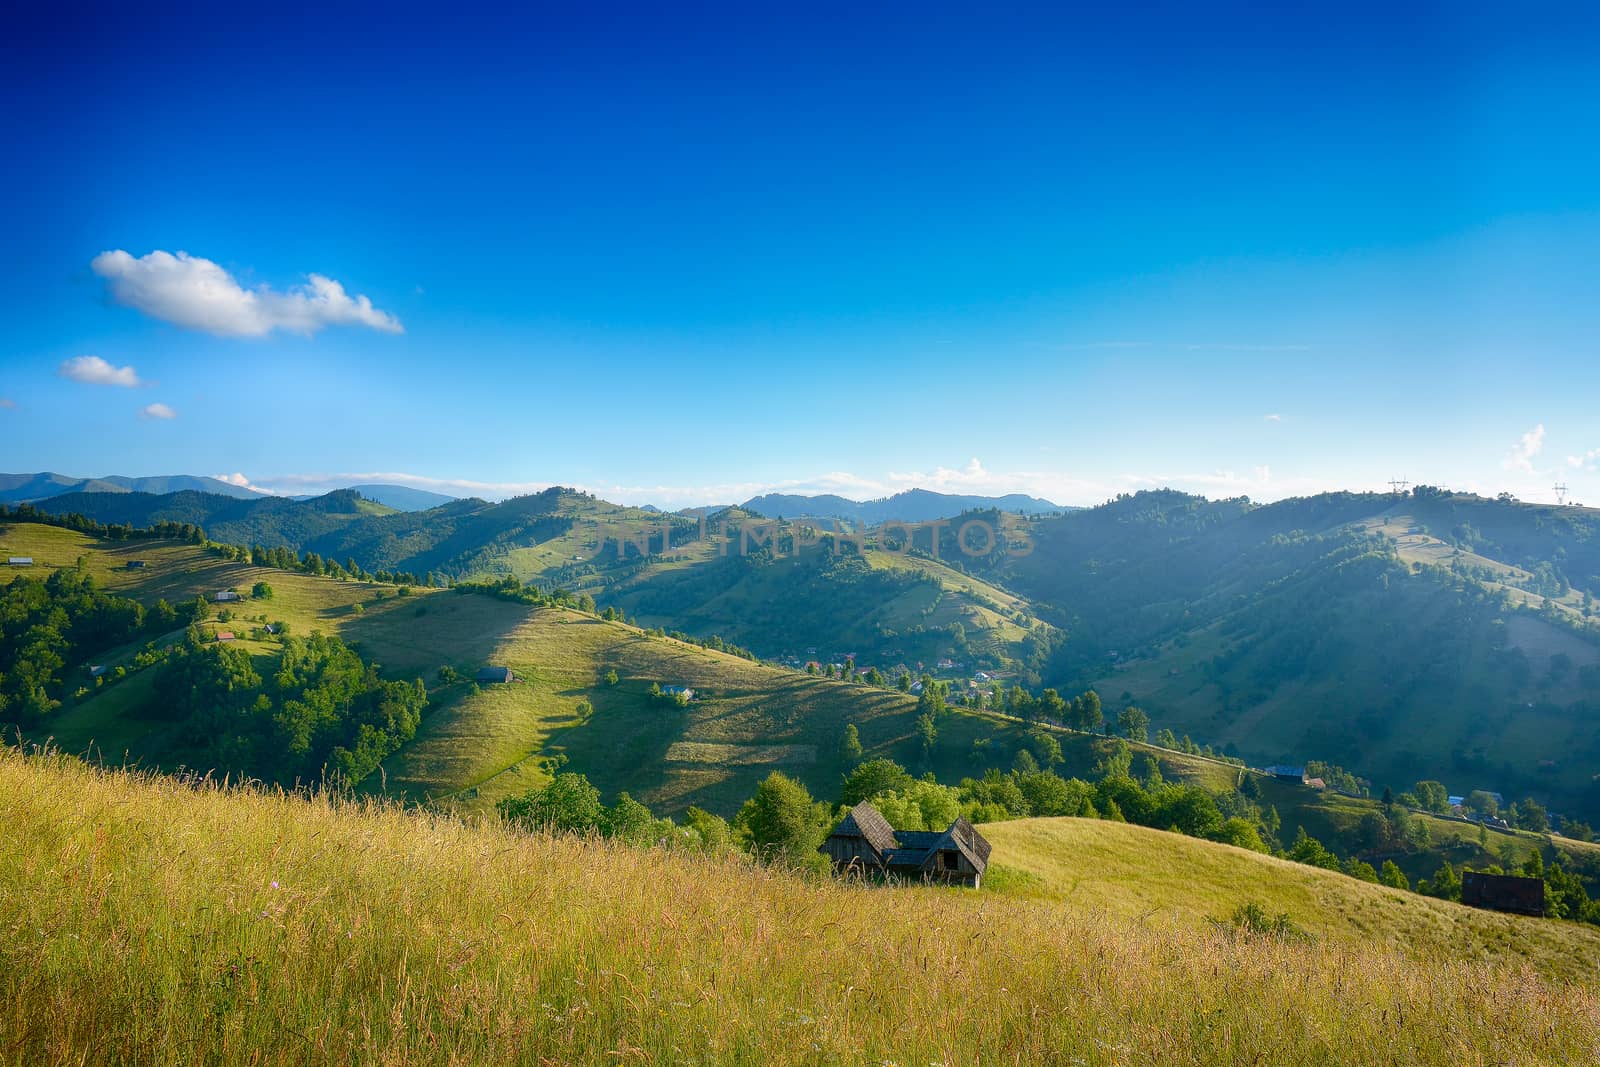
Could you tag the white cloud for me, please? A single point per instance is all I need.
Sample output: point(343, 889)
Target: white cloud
point(1273, 418)
point(7, 403)
point(157, 411)
point(1530, 445)
point(196, 293)
point(1585, 461)
point(92, 370)
point(243, 483)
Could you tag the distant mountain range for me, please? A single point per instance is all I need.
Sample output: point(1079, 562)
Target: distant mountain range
point(25, 488)
point(17, 488)
point(913, 505)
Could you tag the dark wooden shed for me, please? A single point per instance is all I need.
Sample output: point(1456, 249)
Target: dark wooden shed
point(1503, 892)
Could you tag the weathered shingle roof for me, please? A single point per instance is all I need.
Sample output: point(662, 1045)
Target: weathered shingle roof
point(913, 850)
point(867, 821)
point(967, 834)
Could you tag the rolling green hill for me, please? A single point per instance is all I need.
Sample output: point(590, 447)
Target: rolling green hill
point(1337, 628)
point(151, 921)
point(1423, 635)
point(1133, 873)
point(477, 744)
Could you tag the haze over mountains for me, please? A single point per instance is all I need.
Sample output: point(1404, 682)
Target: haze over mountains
point(17, 488)
point(913, 505)
point(23, 488)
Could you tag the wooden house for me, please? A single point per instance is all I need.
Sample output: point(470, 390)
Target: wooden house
point(1503, 892)
point(495, 675)
point(865, 842)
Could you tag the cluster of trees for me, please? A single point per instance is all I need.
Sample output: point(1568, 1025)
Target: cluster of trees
point(51, 626)
point(713, 642)
point(1337, 778)
point(169, 531)
point(1308, 850)
point(569, 804)
point(285, 559)
point(1429, 795)
point(515, 591)
point(323, 714)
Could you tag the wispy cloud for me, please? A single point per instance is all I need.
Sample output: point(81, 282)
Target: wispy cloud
point(243, 483)
point(7, 404)
point(198, 294)
point(1586, 461)
point(1521, 457)
point(92, 370)
point(157, 411)
point(1273, 418)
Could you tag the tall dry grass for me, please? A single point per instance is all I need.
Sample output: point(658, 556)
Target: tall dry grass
point(145, 921)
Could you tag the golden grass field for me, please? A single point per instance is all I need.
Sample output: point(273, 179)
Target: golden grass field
point(145, 921)
point(1135, 873)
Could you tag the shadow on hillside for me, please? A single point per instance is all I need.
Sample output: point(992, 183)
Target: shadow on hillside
point(415, 636)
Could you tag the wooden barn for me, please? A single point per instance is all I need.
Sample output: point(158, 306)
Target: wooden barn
point(865, 842)
point(1503, 892)
point(495, 675)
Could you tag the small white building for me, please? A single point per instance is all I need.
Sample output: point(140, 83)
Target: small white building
point(20, 561)
point(224, 597)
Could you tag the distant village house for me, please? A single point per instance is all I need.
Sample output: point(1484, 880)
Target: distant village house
point(677, 691)
point(865, 842)
point(224, 597)
point(20, 561)
point(495, 675)
point(1288, 773)
point(135, 564)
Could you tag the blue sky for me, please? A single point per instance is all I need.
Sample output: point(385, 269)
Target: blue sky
point(683, 258)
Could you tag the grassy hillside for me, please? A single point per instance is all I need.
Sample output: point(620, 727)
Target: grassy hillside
point(666, 570)
point(1139, 874)
point(205, 926)
point(1406, 637)
point(271, 520)
point(476, 745)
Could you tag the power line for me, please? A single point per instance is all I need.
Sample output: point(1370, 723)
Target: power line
point(1561, 493)
point(1399, 485)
